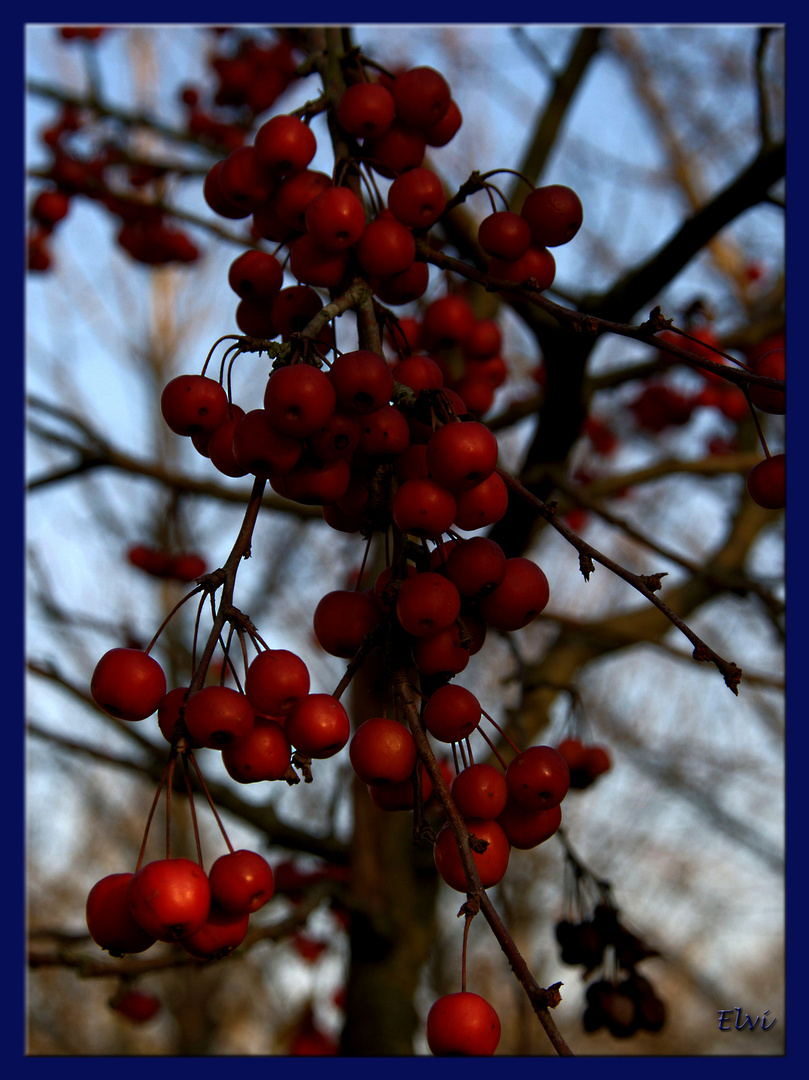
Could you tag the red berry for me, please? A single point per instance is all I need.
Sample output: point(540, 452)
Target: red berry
point(538, 778)
point(169, 898)
point(262, 754)
point(518, 599)
point(422, 97)
point(299, 399)
point(536, 263)
point(426, 604)
point(362, 381)
point(504, 234)
point(276, 681)
point(491, 864)
point(528, 829)
point(261, 449)
point(256, 274)
point(476, 566)
point(137, 1006)
point(366, 110)
point(218, 715)
point(461, 455)
point(382, 752)
point(386, 247)
point(440, 133)
point(482, 505)
point(110, 921)
point(335, 219)
point(766, 482)
point(423, 508)
point(463, 1024)
point(773, 365)
point(221, 933)
point(241, 882)
point(554, 214)
point(452, 713)
point(284, 144)
point(128, 684)
point(416, 198)
point(342, 619)
point(318, 726)
point(194, 403)
point(480, 791)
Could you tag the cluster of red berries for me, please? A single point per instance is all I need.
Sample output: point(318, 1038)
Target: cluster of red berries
point(376, 445)
point(251, 74)
point(174, 900)
point(586, 763)
point(146, 232)
point(178, 566)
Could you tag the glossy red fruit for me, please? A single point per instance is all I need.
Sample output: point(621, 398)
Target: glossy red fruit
point(261, 449)
point(299, 399)
point(476, 566)
point(335, 219)
point(461, 455)
point(220, 446)
point(491, 864)
point(419, 373)
point(277, 680)
point(382, 752)
point(536, 263)
point(538, 778)
point(313, 265)
point(168, 713)
point(386, 247)
point(262, 754)
point(218, 715)
point(216, 198)
point(294, 308)
point(284, 144)
point(110, 921)
point(528, 829)
point(426, 604)
point(254, 318)
point(446, 128)
point(396, 150)
point(482, 505)
point(422, 97)
point(338, 438)
point(452, 713)
point(447, 321)
point(416, 198)
point(554, 213)
point(362, 381)
point(318, 726)
point(294, 195)
point(445, 653)
point(462, 1025)
point(406, 287)
point(221, 933)
point(504, 234)
point(766, 482)
point(128, 684)
point(423, 508)
point(366, 110)
point(241, 882)
point(256, 274)
point(193, 403)
point(314, 482)
point(342, 619)
point(480, 791)
point(518, 599)
point(137, 1006)
point(242, 180)
point(169, 898)
point(384, 434)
